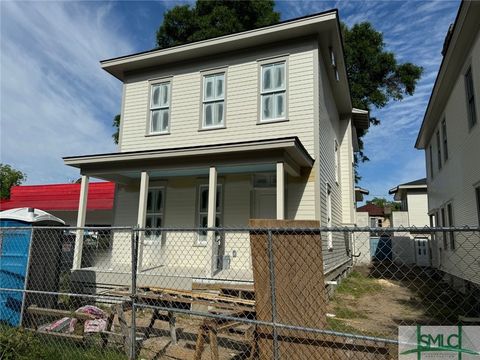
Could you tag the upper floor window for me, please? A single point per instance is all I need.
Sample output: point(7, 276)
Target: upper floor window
point(430, 160)
point(472, 114)
point(213, 101)
point(273, 92)
point(444, 137)
point(160, 108)
point(439, 151)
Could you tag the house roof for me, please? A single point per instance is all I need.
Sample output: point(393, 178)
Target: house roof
point(60, 197)
point(372, 209)
point(461, 37)
point(325, 26)
point(125, 167)
point(359, 192)
point(401, 189)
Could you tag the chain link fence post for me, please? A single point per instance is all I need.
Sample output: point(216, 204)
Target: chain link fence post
point(133, 293)
point(273, 294)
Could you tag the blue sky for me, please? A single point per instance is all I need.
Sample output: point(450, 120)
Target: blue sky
point(56, 101)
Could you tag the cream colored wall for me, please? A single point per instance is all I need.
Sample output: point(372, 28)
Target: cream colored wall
point(330, 128)
point(346, 173)
point(361, 240)
point(459, 175)
point(242, 92)
point(417, 209)
point(179, 249)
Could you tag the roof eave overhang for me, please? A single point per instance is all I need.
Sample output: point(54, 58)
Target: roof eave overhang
point(301, 27)
point(289, 150)
point(361, 118)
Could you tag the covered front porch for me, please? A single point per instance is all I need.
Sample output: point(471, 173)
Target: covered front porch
point(171, 194)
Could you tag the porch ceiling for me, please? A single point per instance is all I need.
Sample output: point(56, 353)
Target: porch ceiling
point(240, 157)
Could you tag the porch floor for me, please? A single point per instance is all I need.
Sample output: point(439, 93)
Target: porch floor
point(172, 277)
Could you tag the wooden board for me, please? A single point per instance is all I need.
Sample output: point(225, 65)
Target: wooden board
point(300, 296)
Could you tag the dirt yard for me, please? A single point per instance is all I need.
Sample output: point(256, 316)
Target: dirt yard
point(375, 302)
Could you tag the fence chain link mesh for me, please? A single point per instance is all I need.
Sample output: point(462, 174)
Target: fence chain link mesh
point(230, 293)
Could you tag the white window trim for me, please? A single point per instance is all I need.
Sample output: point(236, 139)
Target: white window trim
point(201, 241)
point(329, 217)
point(151, 84)
point(204, 74)
point(270, 61)
point(336, 149)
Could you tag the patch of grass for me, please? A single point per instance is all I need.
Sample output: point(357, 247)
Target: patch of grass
point(20, 344)
point(345, 312)
point(357, 284)
point(340, 326)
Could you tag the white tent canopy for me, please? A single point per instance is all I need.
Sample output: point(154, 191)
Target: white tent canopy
point(29, 215)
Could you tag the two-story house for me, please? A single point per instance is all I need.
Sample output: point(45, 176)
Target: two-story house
point(411, 247)
point(450, 136)
point(257, 124)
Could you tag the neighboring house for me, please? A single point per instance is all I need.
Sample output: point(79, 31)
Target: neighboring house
point(361, 240)
point(411, 247)
point(359, 193)
point(257, 124)
point(450, 136)
point(61, 200)
point(373, 245)
point(377, 216)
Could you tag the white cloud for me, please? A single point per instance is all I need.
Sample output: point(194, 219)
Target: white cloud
point(55, 99)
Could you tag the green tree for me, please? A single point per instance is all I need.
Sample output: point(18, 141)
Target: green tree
point(9, 177)
point(116, 125)
point(374, 74)
point(382, 202)
point(210, 18)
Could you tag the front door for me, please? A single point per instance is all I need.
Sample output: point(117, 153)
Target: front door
point(265, 204)
point(421, 251)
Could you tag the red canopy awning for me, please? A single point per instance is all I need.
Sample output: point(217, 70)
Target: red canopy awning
point(60, 197)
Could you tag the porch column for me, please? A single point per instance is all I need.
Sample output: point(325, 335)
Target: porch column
point(280, 191)
point(82, 212)
point(142, 214)
point(212, 214)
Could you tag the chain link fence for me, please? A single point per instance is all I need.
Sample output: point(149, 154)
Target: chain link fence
point(230, 293)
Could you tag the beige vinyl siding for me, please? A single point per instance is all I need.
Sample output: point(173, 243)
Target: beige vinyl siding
point(242, 89)
point(346, 173)
point(329, 131)
point(301, 197)
point(181, 212)
point(417, 210)
point(455, 182)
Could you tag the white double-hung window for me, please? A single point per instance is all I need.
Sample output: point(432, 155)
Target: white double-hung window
point(213, 101)
point(273, 92)
point(159, 108)
point(155, 212)
point(203, 211)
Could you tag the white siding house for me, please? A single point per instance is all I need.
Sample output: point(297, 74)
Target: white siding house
point(411, 247)
point(263, 116)
point(450, 136)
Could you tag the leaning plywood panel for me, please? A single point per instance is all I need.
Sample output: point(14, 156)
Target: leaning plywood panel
point(290, 292)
